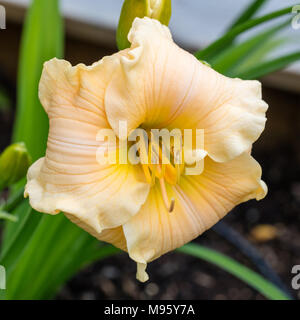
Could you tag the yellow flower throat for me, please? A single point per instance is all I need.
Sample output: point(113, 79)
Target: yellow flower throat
point(162, 169)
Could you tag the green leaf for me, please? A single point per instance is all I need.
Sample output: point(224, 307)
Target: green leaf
point(13, 201)
point(56, 251)
point(248, 13)
point(40, 258)
point(7, 216)
point(236, 54)
point(42, 40)
point(243, 273)
point(270, 66)
point(259, 55)
point(213, 49)
point(18, 207)
point(15, 242)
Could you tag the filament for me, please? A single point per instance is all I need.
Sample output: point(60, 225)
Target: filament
point(168, 204)
point(178, 172)
point(147, 173)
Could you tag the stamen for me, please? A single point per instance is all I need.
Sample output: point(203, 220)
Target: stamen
point(178, 172)
point(153, 176)
point(168, 204)
point(147, 173)
point(158, 171)
point(144, 155)
point(172, 205)
point(163, 170)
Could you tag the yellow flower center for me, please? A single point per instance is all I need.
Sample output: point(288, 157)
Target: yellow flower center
point(162, 169)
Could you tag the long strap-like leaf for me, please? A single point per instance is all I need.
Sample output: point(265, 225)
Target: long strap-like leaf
point(207, 53)
point(232, 57)
point(243, 273)
point(270, 66)
point(42, 40)
point(248, 13)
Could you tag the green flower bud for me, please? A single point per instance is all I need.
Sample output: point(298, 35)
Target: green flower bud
point(14, 163)
point(160, 10)
point(156, 9)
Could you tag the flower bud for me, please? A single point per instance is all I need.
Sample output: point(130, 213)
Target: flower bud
point(14, 163)
point(160, 10)
point(156, 9)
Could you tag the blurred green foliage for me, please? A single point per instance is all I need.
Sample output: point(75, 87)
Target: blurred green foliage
point(5, 102)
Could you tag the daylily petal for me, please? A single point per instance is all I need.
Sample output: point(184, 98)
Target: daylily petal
point(159, 85)
point(114, 236)
point(200, 202)
point(69, 178)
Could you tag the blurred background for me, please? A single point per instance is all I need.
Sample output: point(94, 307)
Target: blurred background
point(271, 225)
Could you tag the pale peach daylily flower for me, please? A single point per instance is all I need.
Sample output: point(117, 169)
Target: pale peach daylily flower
point(154, 84)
